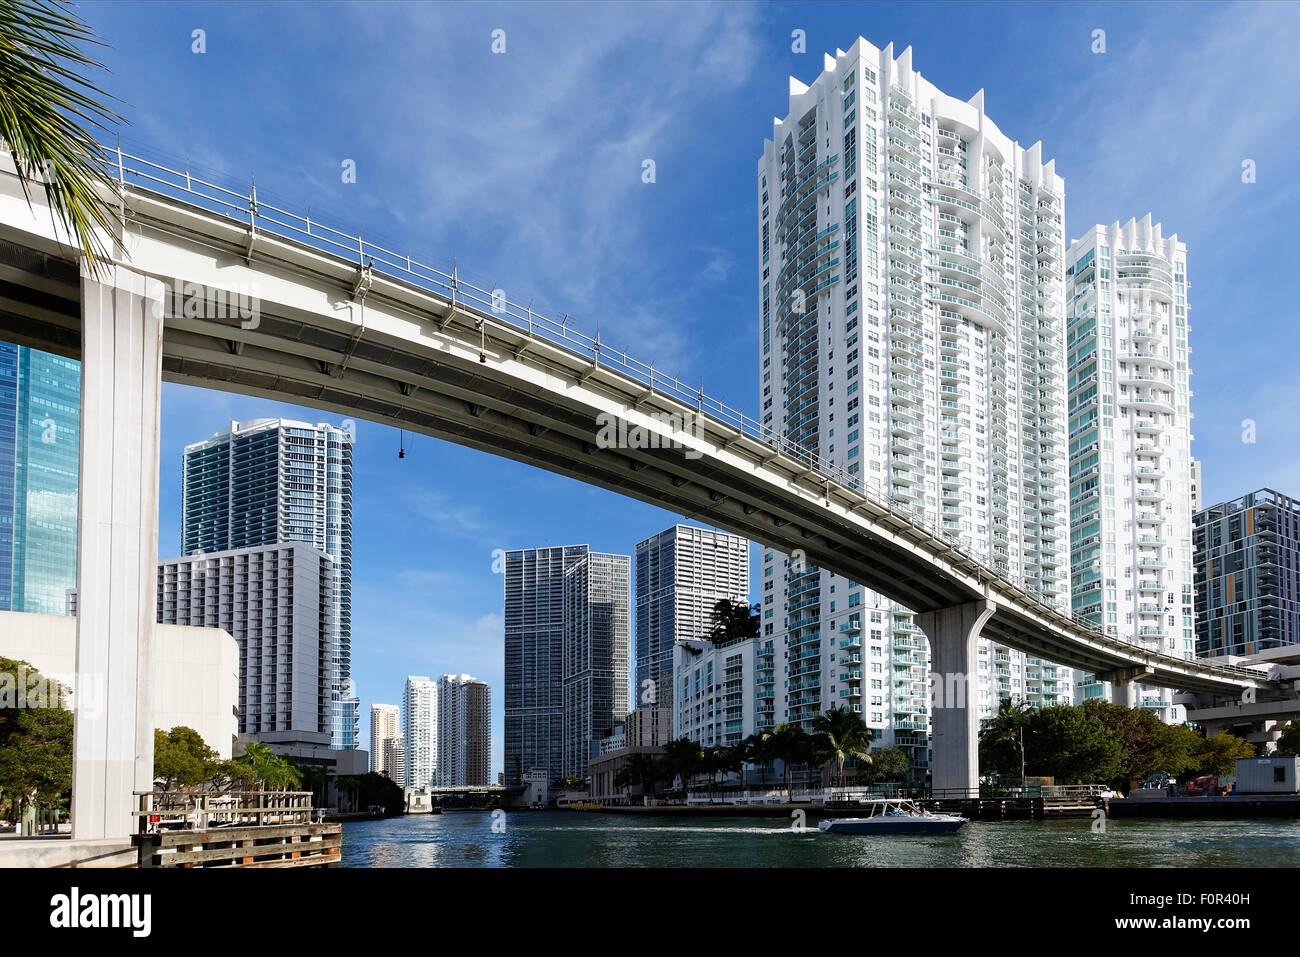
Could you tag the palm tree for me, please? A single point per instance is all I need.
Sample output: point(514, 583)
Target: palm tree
point(733, 621)
point(683, 757)
point(757, 749)
point(267, 768)
point(791, 744)
point(843, 735)
point(45, 109)
point(623, 779)
point(1008, 727)
point(644, 770)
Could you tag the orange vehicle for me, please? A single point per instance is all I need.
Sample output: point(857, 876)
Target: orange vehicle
point(1209, 784)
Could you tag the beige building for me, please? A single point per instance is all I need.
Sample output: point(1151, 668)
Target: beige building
point(645, 731)
point(385, 723)
point(195, 671)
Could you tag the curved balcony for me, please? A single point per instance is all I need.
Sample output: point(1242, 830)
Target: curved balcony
point(955, 195)
point(1148, 282)
point(1151, 358)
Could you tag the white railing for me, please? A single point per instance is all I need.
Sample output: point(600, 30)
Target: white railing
point(131, 169)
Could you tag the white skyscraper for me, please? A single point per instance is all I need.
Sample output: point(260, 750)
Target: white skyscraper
point(276, 601)
point(267, 481)
point(420, 729)
point(1132, 484)
point(912, 332)
point(464, 731)
point(385, 723)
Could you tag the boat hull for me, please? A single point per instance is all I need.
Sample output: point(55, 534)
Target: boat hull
point(892, 825)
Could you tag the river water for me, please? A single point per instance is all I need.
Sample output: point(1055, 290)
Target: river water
point(587, 839)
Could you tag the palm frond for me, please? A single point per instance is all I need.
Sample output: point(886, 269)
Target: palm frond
point(47, 109)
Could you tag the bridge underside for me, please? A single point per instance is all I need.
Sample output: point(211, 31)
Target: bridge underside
point(329, 335)
point(437, 386)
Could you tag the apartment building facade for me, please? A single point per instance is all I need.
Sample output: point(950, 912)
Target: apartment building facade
point(1248, 574)
point(911, 332)
point(267, 481)
point(681, 575)
point(1133, 481)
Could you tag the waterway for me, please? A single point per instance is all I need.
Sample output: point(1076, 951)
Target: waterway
point(588, 839)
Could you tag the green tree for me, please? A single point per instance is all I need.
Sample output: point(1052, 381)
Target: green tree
point(757, 750)
point(316, 779)
point(843, 735)
point(181, 758)
point(683, 758)
point(35, 739)
point(266, 768)
point(733, 621)
point(793, 746)
point(46, 108)
point(1289, 743)
point(378, 790)
point(623, 779)
point(1176, 749)
point(1219, 753)
point(1071, 746)
point(644, 770)
point(1002, 739)
point(1137, 730)
point(888, 764)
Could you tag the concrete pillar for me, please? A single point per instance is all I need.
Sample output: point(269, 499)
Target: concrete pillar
point(1124, 684)
point(117, 549)
point(954, 694)
point(1124, 693)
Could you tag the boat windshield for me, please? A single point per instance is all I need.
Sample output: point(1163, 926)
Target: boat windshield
point(897, 808)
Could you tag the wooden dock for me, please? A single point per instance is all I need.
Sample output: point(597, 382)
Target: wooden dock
point(240, 829)
point(276, 845)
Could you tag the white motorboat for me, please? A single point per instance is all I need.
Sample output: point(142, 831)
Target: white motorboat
point(893, 816)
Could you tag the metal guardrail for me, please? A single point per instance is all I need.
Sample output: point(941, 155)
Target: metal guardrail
point(130, 169)
point(186, 810)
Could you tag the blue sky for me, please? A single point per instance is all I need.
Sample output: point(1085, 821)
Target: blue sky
point(526, 167)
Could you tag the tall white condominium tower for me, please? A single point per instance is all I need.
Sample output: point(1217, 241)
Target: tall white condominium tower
point(681, 574)
point(464, 731)
point(268, 481)
point(276, 602)
point(566, 656)
point(912, 331)
point(420, 729)
point(385, 723)
point(1131, 471)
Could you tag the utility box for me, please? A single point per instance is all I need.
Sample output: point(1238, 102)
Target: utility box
point(1275, 775)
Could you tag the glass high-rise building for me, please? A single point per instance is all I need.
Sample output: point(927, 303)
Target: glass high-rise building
point(566, 656)
point(40, 438)
point(268, 481)
point(1248, 574)
point(681, 575)
point(912, 332)
point(1131, 470)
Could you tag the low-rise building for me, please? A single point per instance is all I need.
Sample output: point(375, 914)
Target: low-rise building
point(195, 672)
point(714, 694)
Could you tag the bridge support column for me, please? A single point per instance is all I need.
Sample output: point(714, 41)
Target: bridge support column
point(117, 550)
point(1124, 685)
point(1124, 694)
point(954, 694)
